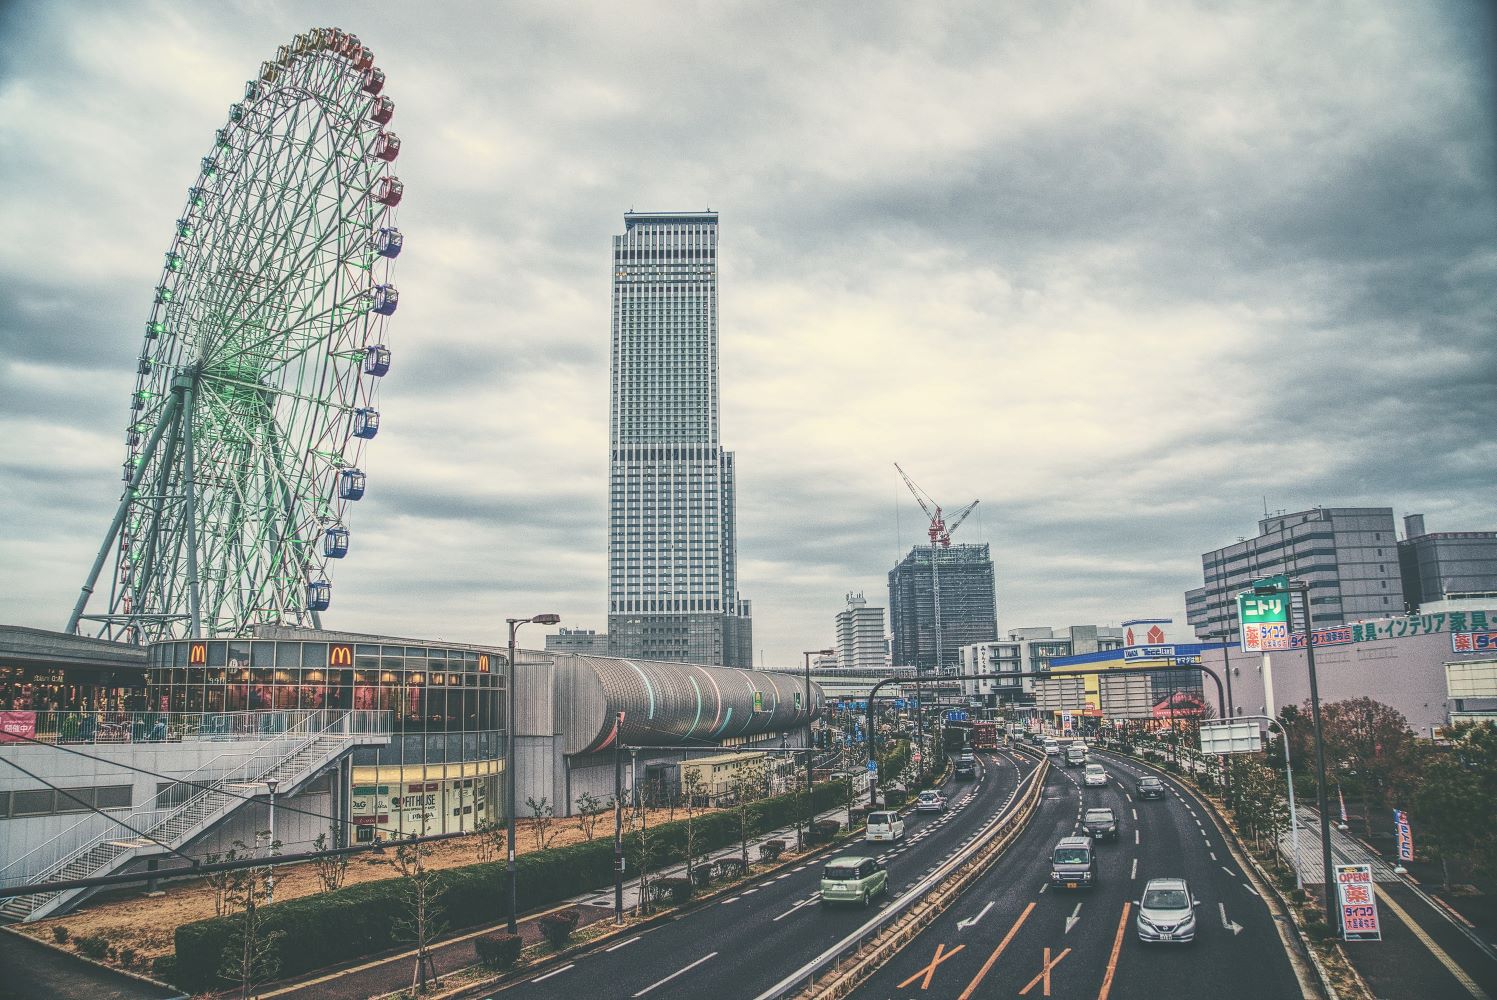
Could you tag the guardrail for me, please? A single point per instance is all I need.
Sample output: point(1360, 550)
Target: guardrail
point(869, 946)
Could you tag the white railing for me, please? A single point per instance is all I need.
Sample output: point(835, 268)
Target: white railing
point(244, 765)
point(75, 728)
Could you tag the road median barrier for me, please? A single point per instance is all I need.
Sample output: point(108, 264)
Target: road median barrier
point(852, 960)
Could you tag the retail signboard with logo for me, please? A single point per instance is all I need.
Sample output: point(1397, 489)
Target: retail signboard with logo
point(1358, 899)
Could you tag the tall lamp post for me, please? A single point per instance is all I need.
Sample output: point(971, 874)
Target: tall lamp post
point(810, 801)
point(271, 784)
point(509, 756)
point(1332, 915)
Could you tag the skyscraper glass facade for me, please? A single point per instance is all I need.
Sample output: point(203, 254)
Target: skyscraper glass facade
point(672, 564)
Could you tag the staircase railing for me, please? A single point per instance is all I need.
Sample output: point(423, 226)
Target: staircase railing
point(238, 766)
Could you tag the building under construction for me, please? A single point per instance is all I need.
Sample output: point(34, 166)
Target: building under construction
point(968, 611)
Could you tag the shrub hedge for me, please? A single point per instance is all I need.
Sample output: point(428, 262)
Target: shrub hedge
point(363, 919)
point(498, 951)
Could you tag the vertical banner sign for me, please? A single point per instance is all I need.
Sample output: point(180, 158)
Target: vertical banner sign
point(1265, 617)
point(1358, 903)
point(1405, 835)
point(1065, 722)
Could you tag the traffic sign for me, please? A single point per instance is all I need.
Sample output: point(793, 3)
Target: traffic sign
point(1230, 737)
point(873, 767)
point(915, 756)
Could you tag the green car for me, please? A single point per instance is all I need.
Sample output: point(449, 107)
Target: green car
point(852, 880)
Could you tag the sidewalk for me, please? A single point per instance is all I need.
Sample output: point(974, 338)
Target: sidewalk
point(1424, 951)
point(388, 973)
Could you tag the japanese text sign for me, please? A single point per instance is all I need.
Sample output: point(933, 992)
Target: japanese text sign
point(1358, 899)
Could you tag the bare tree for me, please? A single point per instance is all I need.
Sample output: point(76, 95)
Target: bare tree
point(251, 955)
point(693, 791)
point(331, 868)
point(644, 845)
point(542, 816)
point(589, 808)
point(746, 787)
point(422, 922)
point(490, 834)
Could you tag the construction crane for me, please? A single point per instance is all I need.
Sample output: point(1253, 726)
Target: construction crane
point(940, 538)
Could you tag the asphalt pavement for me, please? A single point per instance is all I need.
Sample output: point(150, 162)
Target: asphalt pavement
point(1012, 934)
point(743, 943)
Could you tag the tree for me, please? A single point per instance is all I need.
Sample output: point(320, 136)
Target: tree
point(1373, 742)
point(491, 840)
point(589, 808)
point(250, 955)
point(1451, 808)
point(541, 818)
point(746, 788)
point(643, 842)
point(422, 921)
point(331, 868)
point(693, 791)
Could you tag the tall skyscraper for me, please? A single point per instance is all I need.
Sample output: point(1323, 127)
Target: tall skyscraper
point(672, 557)
point(1349, 556)
point(969, 612)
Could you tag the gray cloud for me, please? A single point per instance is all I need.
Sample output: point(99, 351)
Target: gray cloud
point(1120, 274)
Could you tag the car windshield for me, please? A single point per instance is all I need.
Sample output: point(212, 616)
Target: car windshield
point(1072, 855)
point(879, 819)
point(1165, 899)
point(927, 795)
point(840, 873)
point(1099, 815)
point(1150, 783)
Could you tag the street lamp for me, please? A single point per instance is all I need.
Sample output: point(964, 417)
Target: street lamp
point(270, 784)
point(810, 803)
point(1262, 588)
point(509, 755)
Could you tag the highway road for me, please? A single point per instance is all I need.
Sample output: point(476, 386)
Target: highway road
point(1012, 934)
point(743, 943)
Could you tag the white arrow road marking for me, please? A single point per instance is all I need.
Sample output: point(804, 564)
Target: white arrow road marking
point(962, 925)
point(1074, 918)
point(1229, 925)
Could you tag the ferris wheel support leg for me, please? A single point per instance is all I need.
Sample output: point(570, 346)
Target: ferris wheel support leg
point(123, 509)
point(190, 494)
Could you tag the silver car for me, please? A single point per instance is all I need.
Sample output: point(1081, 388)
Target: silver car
point(1166, 913)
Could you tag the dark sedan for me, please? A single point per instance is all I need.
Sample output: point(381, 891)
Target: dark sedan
point(1150, 788)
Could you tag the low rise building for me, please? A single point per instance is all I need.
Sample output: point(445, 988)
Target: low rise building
point(1028, 650)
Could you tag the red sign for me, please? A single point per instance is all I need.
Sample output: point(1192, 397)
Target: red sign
point(17, 727)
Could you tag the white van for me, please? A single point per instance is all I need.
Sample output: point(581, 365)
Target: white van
point(1052, 747)
point(885, 825)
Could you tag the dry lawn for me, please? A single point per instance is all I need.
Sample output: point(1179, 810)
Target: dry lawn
point(147, 924)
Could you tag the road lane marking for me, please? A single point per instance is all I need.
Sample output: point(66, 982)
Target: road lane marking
point(986, 966)
point(731, 899)
point(962, 925)
point(930, 970)
point(616, 947)
point(1251, 890)
point(1227, 870)
point(1434, 949)
point(1117, 946)
point(1213, 855)
point(673, 975)
point(1072, 921)
point(1135, 869)
point(1044, 972)
point(1228, 925)
point(1135, 838)
point(1135, 813)
point(795, 907)
point(554, 972)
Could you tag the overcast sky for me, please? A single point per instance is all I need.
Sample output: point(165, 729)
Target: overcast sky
point(1120, 270)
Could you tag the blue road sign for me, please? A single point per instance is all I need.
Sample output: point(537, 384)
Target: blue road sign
point(872, 766)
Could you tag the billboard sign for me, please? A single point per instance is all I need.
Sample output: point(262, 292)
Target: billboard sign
point(1358, 900)
point(1265, 617)
point(1230, 737)
point(1165, 652)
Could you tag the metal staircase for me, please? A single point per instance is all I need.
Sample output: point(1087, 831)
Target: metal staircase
point(99, 846)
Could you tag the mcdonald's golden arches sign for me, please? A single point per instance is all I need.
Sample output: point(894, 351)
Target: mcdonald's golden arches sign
point(340, 655)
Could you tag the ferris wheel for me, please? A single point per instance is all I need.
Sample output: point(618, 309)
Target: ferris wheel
point(256, 390)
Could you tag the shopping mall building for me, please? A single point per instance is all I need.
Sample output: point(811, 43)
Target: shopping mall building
point(120, 754)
